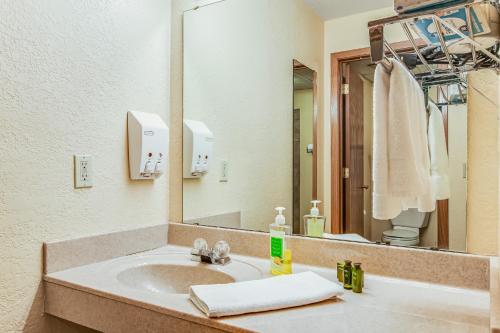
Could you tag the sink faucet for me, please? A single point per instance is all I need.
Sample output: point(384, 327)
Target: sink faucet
point(218, 255)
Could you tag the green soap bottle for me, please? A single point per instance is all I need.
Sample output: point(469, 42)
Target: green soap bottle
point(357, 278)
point(280, 254)
point(347, 275)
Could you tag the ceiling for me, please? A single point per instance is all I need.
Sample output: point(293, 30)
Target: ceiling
point(329, 9)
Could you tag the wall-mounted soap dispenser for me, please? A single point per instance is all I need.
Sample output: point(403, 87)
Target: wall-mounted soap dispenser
point(197, 148)
point(147, 145)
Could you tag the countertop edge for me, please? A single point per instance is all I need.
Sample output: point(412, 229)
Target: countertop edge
point(201, 320)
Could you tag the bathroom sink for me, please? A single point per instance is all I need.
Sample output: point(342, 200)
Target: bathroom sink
point(171, 279)
point(175, 273)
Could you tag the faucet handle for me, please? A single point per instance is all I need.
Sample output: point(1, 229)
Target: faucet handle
point(221, 249)
point(200, 244)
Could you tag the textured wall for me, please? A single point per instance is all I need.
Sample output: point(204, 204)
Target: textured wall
point(482, 185)
point(69, 71)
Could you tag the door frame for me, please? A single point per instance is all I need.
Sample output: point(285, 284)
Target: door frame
point(337, 134)
point(297, 64)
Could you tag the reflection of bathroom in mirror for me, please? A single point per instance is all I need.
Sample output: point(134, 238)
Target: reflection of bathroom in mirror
point(410, 228)
point(279, 111)
point(304, 129)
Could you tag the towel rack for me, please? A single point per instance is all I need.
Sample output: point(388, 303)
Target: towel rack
point(377, 41)
point(450, 68)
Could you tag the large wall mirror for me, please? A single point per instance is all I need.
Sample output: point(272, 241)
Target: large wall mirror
point(273, 117)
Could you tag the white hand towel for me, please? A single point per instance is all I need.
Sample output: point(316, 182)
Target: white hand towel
point(407, 135)
point(401, 164)
point(385, 206)
point(439, 154)
point(284, 291)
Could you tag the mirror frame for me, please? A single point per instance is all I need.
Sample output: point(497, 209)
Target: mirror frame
point(296, 64)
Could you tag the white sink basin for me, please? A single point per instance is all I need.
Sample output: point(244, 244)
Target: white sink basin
point(172, 279)
point(175, 273)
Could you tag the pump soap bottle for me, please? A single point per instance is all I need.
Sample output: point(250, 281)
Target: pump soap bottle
point(281, 256)
point(314, 224)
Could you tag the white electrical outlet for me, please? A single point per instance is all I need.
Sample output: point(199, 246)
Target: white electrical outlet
point(84, 175)
point(224, 170)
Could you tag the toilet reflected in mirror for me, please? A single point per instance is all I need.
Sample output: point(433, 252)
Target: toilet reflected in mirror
point(406, 228)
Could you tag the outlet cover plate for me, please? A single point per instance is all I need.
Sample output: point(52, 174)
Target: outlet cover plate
point(224, 171)
point(84, 173)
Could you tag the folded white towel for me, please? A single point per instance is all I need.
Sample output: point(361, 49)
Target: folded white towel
point(284, 291)
point(439, 154)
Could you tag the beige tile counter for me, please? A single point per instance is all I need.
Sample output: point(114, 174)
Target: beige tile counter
point(83, 295)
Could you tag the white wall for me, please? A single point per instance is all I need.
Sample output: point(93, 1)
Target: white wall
point(242, 88)
point(69, 71)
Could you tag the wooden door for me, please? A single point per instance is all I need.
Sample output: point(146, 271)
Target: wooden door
point(353, 152)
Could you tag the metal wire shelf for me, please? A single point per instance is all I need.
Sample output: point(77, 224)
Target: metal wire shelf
point(440, 66)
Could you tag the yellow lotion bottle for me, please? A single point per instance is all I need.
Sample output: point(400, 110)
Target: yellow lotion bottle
point(281, 256)
point(314, 224)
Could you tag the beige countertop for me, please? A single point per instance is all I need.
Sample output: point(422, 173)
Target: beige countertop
point(495, 295)
point(386, 305)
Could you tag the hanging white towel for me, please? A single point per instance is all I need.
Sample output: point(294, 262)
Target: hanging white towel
point(401, 165)
point(439, 154)
point(218, 300)
point(385, 206)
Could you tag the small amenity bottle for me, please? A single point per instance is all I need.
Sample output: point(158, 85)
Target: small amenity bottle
point(347, 275)
point(340, 271)
point(357, 278)
point(281, 256)
point(314, 224)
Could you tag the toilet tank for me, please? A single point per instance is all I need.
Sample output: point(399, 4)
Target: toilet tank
point(412, 218)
